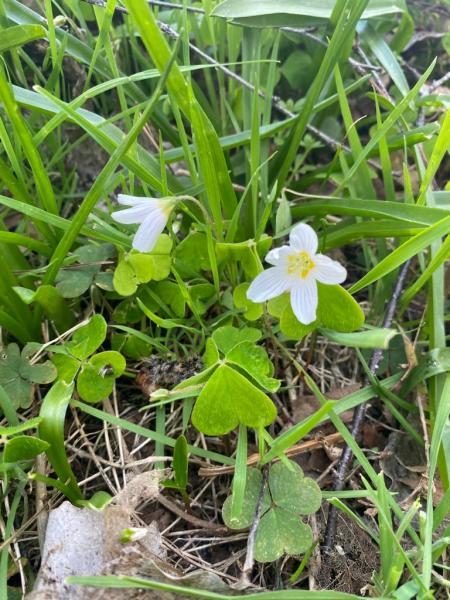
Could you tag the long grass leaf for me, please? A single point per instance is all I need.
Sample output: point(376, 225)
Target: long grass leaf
point(418, 215)
point(344, 30)
point(15, 36)
point(440, 149)
point(51, 429)
point(149, 434)
point(388, 123)
point(43, 184)
point(404, 252)
point(213, 166)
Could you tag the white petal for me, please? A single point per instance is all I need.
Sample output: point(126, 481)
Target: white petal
point(278, 256)
point(304, 238)
point(328, 270)
point(304, 300)
point(149, 231)
point(128, 200)
point(268, 284)
point(137, 214)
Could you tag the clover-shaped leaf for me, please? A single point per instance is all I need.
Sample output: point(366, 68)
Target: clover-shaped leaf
point(73, 282)
point(252, 310)
point(229, 399)
point(88, 338)
point(202, 295)
point(96, 379)
point(166, 293)
point(76, 278)
point(254, 360)
point(66, 366)
point(137, 267)
point(130, 345)
point(191, 255)
point(124, 280)
point(289, 495)
point(281, 532)
point(291, 490)
point(127, 312)
point(18, 374)
point(142, 266)
point(227, 337)
point(211, 355)
point(336, 310)
point(252, 489)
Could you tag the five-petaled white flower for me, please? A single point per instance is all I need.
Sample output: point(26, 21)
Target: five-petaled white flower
point(296, 269)
point(151, 214)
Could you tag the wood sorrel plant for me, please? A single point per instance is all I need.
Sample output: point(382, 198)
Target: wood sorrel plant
point(236, 133)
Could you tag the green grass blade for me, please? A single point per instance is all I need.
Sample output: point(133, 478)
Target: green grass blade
point(362, 180)
point(389, 122)
point(436, 261)
point(51, 429)
point(439, 428)
point(386, 58)
point(297, 432)
point(149, 434)
point(17, 239)
point(7, 532)
point(344, 30)
point(418, 215)
point(345, 234)
point(404, 252)
point(15, 36)
point(110, 138)
point(37, 214)
point(43, 184)
point(240, 475)
point(439, 151)
point(124, 582)
point(213, 166)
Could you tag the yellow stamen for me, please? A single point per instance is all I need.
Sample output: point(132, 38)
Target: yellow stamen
point(300, 264)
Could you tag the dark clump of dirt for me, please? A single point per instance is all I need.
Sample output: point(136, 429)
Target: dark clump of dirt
point(157, 372)
point(351, 563)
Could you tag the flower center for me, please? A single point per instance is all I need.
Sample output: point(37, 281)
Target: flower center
point(166, 205)
point(300, 264)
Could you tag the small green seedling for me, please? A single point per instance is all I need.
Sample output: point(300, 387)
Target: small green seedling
point(288, 496)
point(180, 469)
point(95, 374)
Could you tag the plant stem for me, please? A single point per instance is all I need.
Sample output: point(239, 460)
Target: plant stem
point(244, 581)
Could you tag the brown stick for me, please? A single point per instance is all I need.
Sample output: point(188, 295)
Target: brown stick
point(253, 459)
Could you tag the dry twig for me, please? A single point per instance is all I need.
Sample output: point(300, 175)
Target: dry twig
point(253, 459)
point(244, 581)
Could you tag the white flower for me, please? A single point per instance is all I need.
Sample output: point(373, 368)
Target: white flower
point(151, 214)
point(296, 269)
